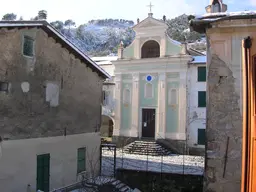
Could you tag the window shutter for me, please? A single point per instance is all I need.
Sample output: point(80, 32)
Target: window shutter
point(201, 137)
point(81, 160)
point(201, 99)
point(201, 74)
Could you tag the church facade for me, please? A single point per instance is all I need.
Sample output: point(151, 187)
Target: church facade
point(157, 89)
point(150, 84)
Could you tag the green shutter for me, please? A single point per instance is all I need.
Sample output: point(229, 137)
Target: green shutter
point(201, 137)
point(43, 172)
point(201, 74)
point(28, 46)
point(201, 99)
point(81, 160)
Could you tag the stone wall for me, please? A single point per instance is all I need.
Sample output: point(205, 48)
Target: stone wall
point(224, 119)
point(64, 95)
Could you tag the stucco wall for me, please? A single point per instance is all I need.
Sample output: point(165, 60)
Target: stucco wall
point(29, 115)
point(200, 121)
point(172, 110)
point(18, 160)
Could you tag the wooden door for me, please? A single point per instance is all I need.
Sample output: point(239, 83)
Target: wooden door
point(148, 123)
point(43, 172)
point(249, 116)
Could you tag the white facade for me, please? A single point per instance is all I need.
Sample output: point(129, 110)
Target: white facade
point(196, 115)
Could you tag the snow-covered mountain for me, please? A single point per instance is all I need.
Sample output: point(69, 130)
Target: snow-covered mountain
point(102, 37)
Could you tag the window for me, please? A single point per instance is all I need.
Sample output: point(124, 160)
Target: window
point(105, 98)
point(81, 160)
point(127, 96)
point(4, 86)
point(201, 74)
point(216, 6)
point(201, 99)
point(28, 46)
point(201, 136)
point(150, 49)
point(148, 90)
point(172, 97)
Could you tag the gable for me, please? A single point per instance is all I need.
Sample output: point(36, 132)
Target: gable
point(150, 22)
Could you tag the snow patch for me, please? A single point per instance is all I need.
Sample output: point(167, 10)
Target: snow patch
point(225, 14)
point(199, 59)
point(168, 164)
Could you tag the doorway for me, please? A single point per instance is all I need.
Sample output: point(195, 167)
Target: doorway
point(148, 123)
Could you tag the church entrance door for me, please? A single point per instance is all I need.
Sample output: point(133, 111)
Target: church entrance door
point(148, 123)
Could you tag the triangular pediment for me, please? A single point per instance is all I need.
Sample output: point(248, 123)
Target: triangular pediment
point(150, 22)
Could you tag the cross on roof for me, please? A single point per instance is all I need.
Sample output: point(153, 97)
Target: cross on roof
point(150, 7)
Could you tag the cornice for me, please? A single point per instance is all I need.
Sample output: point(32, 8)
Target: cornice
point(234, 23)
point(169, 59)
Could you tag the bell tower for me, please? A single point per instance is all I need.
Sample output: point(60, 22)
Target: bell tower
point(216, 6)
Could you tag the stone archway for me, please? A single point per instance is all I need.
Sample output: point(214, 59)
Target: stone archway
point(107, 125)
point(150, 49)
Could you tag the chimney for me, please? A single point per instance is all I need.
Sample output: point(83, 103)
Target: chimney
point(164, 18)
point(138, 20)
point(120, 52)
point(42, 15)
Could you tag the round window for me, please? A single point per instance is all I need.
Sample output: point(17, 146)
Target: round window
point(149, 78)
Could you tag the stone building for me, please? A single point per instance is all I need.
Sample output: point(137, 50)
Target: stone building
point(230, 134)
point(50, 112)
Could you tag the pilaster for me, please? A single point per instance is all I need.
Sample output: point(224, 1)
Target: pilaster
point(134, 132)
point(137, 51)
point(182, 106)
point(118, 98)
point(161, 128)
point(163, 46)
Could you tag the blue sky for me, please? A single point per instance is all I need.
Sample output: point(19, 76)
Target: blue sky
point(83, 10)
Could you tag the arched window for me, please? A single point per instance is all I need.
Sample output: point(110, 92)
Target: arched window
point(127, 96)
point(172, 97)
point(150, 49)
point(149, 90)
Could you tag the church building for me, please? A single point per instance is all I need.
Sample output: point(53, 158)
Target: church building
point(150, 84)
point(157, 90)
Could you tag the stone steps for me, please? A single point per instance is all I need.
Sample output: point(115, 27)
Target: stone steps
point(141, 147)
point(120, 186)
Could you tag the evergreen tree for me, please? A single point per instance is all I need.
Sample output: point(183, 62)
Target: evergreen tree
point(9, 16)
